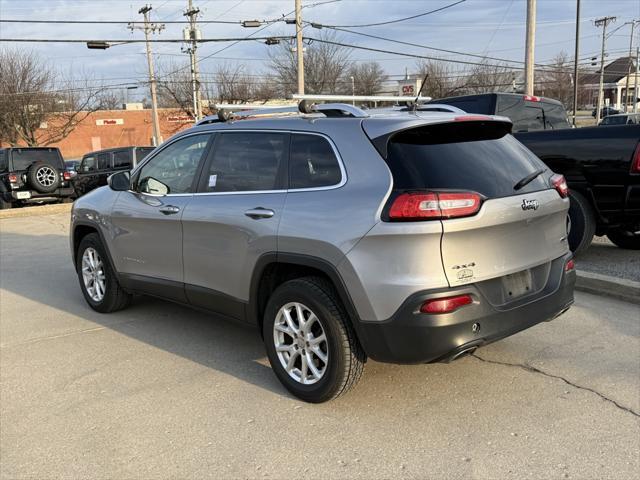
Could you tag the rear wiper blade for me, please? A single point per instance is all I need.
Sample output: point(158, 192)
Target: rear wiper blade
point(528, 179)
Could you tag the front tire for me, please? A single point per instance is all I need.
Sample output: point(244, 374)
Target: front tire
point(583, 223)
point(625, 238)
point(310, 343)
point(98, 281)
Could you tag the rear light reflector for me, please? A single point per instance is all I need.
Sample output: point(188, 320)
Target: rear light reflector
point(570, 265)
point(13, 178)
point(446, 305)
point(531, 98)
point(635, 163)
point(434, 205)
point(560, 184)
point(66, 175)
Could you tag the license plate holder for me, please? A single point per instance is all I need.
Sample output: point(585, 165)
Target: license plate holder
point(23, 195)
point(517, 284)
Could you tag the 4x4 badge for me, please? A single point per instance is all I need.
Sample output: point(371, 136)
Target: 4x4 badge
point(529, 204)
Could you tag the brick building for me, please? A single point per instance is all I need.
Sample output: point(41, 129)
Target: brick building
point(117, 128)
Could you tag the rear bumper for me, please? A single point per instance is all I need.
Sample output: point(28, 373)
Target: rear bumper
point(36, 196)
point(413, 337)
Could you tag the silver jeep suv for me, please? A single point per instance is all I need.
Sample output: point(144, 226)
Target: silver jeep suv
point(343, 235)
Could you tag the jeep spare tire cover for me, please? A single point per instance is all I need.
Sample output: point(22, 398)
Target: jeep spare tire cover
point(43, 177)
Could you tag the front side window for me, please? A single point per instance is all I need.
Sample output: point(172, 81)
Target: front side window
point(247, 161)
point(312, 163)
point(174, 168)
point(88, 164)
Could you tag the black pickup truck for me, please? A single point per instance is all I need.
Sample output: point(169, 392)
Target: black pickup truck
point(601, 165)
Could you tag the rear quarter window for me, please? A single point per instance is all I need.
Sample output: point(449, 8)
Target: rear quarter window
point(457, 157)
point(312, 163)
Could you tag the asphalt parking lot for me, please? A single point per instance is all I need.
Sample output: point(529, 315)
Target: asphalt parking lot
point(161, 391)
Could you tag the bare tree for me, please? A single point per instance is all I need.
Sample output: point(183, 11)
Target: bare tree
point(441, 80)
point(368, 79)
point(39, 106)
point(110, 100)
point(557, 80)
point(488, 78)
point(324, 66)
point(175, 87)
point(233, 84)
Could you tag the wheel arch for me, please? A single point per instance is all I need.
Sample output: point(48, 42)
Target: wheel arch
point(81, 230)
point(273, 269)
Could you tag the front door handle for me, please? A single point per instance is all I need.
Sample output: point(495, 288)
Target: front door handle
point(260, 212)
point(169, 210)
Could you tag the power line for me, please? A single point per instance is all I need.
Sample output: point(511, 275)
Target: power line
point(398, 20)
point(152, 40)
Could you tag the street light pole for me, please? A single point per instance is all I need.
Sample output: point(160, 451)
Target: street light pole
point(530, 48)
point(575, 64)
point(299, 51)
point(626, 87)
point(602, 22)
point(635, 82)
point(192, 34)
point(148, 28)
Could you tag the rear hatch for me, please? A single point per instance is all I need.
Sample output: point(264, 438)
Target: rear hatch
point(464, 174)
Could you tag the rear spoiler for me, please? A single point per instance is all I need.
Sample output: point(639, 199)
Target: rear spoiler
point(462, 128)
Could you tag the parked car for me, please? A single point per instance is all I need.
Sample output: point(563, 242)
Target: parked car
point(95, 167)
point(398, 237)
point(602, 168)
point(528, 113)
point(600, 165)
point(72, 166)
point(33, 175)
point(605, 112)
point(621, 119)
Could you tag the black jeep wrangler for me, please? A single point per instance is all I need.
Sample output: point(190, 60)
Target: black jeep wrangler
point(33, 175)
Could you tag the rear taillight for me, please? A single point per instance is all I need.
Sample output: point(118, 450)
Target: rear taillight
point(13, 178)
point(446, 305)
point(434, 205)
point(560, 184)
point(570, 265)
point(531, 98)
point(66, 175)
point(635, 163)
point(472, 118)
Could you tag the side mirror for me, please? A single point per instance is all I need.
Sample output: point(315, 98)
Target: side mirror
point(119, 182)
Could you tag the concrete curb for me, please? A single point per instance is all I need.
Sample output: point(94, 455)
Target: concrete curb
point(34, 211)
point(598, 284)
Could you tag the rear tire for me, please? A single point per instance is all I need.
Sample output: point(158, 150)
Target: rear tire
point(344, 357)
point(624, 238)
point(4, 205)
point(110, 296)
point(583, 223)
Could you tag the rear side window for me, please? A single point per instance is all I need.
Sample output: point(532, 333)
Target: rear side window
point(247, 161)
point(3, 161)
point(462, 157)
point(103, 161)
point(122, 158)
point(312, 163)
point(24, 158)
point(88, 164)
point(143, 152)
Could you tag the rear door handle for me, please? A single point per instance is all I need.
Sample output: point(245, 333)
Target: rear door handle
point(169, 210)
point(260, 212)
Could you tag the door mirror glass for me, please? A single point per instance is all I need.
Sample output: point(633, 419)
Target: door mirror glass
point(153, 186)
point(119, 182)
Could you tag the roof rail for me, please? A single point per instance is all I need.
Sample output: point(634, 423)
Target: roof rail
point(439, 107)
point(361, 98)
point(328, 109)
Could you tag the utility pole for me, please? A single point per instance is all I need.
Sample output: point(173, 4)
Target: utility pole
point(149, 28)
point(602, 22)
point(531, 41)
point(192, 35)
point(626, 87)
point(635, 82)
point(299, 51)
point(575, 64)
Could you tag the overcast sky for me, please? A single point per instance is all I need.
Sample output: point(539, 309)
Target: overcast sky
point(486, 27)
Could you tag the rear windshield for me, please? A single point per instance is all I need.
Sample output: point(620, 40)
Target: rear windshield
point(555, 117)
point(143, 152)
point(462, 157)
point(22, 159)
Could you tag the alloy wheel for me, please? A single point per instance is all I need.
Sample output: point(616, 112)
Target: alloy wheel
point(46, 176)
point(301, 343)
point(93, 274)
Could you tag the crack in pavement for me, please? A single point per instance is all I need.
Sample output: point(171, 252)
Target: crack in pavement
point(531, 369)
